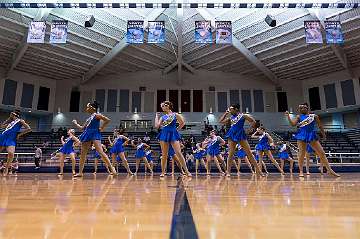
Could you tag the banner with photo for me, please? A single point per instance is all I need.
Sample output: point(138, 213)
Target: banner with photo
point(58, 32)
point(334, 34)
point(36, 32)
point(135, 32)
point(313, 32)
point(203, 32)
point(223, 32)
point(156, 32)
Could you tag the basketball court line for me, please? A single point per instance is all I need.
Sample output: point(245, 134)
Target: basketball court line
point(182, 225)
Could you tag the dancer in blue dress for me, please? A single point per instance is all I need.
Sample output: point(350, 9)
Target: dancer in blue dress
point(306, 134)
point(67, 149)
point(117, 149)
point(11, 133)
point(92, 129)
point(199, 153)
point(212, 144)
point(236, 134)
point(241, 155)
point(149, 156)
point(264, 146)
point(169, 135)
point(140, 154)
point(284, 155)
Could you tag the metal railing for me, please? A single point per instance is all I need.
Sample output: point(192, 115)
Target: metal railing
point(24, 159)
point(344, 156)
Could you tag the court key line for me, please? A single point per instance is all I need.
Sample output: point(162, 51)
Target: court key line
point(182, 224)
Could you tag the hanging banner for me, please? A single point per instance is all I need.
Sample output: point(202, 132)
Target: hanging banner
point(36, 32)
point(313, 32)
point(223, 32)
point(203, 32)
point(156, 32)
point(135, 32)
point(58, 32)
point(334, 35)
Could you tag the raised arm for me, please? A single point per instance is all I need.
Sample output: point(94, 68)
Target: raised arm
point(204, 143)
point(79, 126)
point(320, 126)
point(126, 140)
point(157, 120)
point(132, 143)
point(291, 121)
point(254, 135)
point(222, 141)
point(146, 146)
point(105, 120)
point(224, 119)
point(251, 120)
point(62, 140)
point(27, 129)
point(180, 120)
point(77, 141)
point(110, 141)
point(271, 140)
point(5, 123)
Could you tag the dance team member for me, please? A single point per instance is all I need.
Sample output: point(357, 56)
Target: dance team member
point(169, 135)
point(91, 135)
point(264, 147)
point(306, 134)
point(236, 134)
point(12, 132)
point(117, 149)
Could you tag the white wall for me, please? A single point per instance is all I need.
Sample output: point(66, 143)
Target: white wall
point(201, 80)
point(62, 95)
point(270, 120)
point(336, 78)
point(37, 81)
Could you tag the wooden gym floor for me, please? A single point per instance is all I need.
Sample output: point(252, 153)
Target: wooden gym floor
point(45, 206)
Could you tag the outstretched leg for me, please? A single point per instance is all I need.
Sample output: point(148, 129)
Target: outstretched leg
point(73, 163)
point(180, 156)
point(269, 154)
point(232, 146)
point(61, 158)
point(164, 156)
point(321, 153)
point(11, 152)
point(245, 145)
point(301, 155)
point(85, 146)
point(104, 156)
point(307, 166)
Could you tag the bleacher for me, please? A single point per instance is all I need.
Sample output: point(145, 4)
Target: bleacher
point(336, 142)
point(353, 135)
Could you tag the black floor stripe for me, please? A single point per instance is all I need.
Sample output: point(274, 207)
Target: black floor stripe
point(182, 225)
